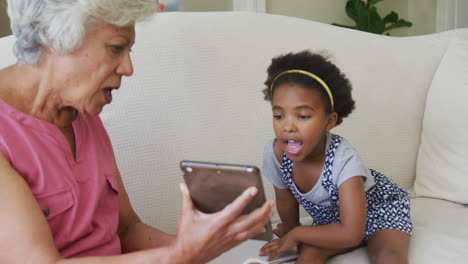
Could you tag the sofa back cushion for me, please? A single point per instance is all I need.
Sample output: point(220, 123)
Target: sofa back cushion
point(196, 94)
point(442, 168)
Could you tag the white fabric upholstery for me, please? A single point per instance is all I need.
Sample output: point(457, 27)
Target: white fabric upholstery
point(440, 232)
point(196, 94)
point(6, 51)
point(442, 170)
point(439, 236)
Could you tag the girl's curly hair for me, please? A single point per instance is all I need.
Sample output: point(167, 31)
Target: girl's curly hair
point(319, 65)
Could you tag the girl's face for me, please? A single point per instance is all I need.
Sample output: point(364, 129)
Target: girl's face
point(300, 121)
point(88, 75)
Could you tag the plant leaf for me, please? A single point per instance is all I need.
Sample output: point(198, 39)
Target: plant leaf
point(400, 23)
point(353, 9)
point(392, 17)
point(370, 21)
point(373, 2)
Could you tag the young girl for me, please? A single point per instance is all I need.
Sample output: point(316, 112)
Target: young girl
point(322, 172)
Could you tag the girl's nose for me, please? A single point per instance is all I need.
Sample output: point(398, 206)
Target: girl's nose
point(289, 126)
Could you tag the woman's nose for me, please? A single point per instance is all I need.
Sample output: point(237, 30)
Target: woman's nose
point(126, 67)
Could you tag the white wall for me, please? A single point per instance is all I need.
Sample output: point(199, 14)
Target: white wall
point(462, 14)
point(205, 5)
point(421, 12)
point(451, 14)
point(4, 22)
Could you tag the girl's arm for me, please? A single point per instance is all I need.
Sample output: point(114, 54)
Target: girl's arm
point(348, 233)
point(288, 210)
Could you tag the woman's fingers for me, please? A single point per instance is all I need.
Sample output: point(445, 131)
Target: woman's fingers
point(223, 230)
point(254, 223)
point(233, 210)
point(187, 204)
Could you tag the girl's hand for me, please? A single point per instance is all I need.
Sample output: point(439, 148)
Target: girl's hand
point(278, 246)
point(279, 230)
point(202, 237)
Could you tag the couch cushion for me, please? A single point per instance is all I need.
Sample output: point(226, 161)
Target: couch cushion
point(196, 94)
point(442, 170)
point(439, 231)
point(6, 55)
point(439, 236)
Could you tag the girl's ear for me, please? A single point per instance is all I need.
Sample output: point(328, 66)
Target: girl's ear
point(331, 121)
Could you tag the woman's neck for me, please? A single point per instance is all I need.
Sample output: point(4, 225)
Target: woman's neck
point(31, 90)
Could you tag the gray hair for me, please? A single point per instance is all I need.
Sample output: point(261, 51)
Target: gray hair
point(63, 24)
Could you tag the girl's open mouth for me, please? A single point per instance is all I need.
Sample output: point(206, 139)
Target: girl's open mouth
point(293, 147)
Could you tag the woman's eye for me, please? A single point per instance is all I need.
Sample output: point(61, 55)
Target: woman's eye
point(117, 48)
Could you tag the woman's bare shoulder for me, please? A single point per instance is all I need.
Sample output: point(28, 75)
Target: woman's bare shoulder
point(7, 83)
point(10, 80)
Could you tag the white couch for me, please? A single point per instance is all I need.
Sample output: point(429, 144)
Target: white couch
point(196, 94)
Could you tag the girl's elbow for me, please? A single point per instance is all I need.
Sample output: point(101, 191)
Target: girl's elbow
point(354, 238)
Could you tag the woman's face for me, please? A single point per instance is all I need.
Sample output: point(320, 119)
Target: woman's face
point(88, 75)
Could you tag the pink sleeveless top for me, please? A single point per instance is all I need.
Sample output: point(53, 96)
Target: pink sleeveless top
point(78, 197)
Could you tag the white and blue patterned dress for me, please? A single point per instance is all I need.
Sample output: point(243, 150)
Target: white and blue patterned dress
point(388, 206)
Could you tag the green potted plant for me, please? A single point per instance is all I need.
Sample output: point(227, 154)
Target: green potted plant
point(368, 19)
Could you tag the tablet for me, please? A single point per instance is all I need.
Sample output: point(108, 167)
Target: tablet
point(215, 185)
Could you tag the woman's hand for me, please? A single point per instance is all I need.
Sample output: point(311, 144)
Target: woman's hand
point(202, 237)
point(278, 246)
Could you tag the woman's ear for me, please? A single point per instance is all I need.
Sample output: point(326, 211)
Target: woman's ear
point(331, 121)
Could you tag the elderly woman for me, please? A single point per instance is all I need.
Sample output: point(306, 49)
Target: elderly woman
point(61, 194)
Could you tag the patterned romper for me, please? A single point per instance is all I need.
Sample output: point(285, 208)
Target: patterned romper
point(388, 206)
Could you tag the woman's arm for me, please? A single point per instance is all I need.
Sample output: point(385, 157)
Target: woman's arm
point(347, 233)
point(25, 236)
point(288, 210)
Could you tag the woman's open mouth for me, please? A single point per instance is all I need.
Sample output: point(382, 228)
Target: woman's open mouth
point(108, 95)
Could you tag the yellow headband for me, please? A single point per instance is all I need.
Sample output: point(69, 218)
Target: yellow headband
point(315, 77)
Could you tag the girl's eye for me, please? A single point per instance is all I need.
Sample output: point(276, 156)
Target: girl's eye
point(304, 117)
point(277, 116)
